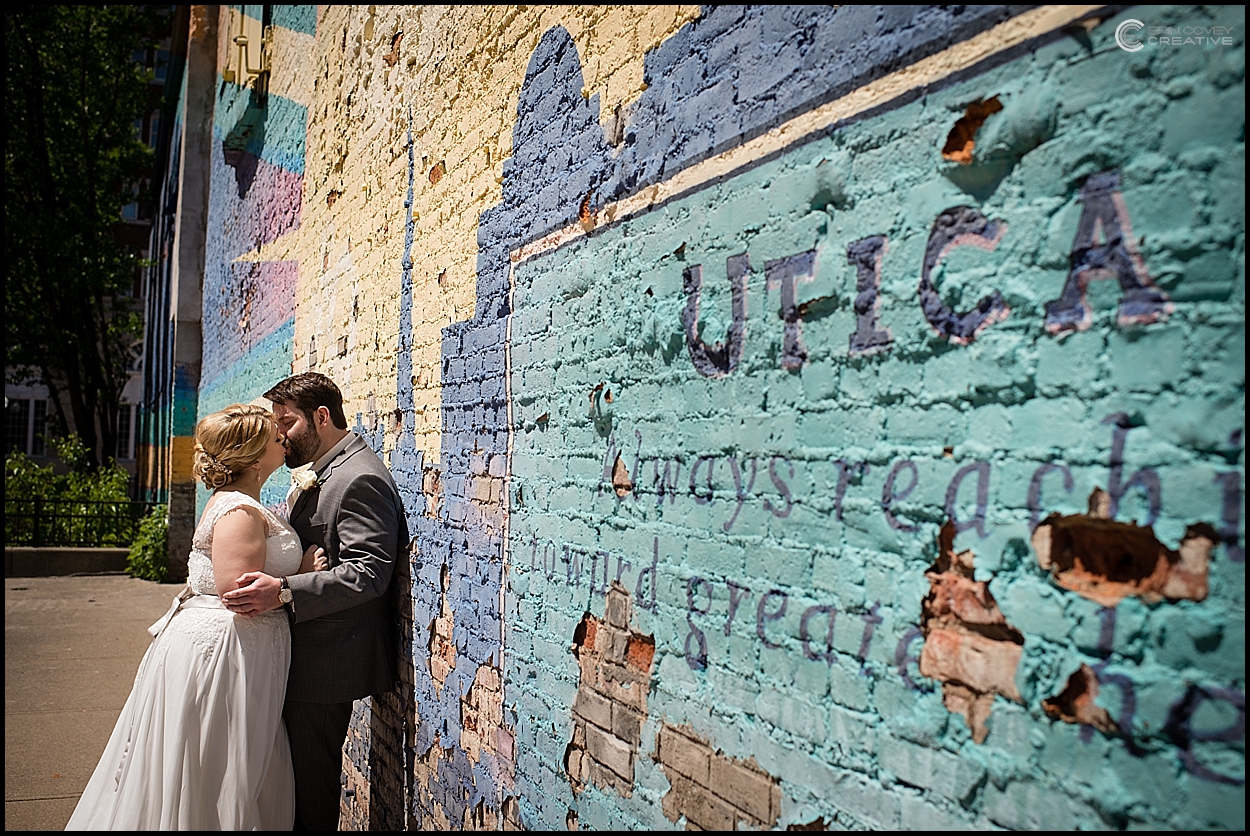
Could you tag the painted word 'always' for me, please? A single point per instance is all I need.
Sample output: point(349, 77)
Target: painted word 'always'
point(1103, 212)
point(901, 482)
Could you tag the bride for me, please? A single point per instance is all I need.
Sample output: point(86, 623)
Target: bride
point(200, 743)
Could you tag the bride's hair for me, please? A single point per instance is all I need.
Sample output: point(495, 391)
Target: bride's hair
point(229, 441)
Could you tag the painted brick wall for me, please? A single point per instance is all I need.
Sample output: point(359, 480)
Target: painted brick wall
point(805, 415)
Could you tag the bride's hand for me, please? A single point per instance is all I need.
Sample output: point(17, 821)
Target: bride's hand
point(315, 560)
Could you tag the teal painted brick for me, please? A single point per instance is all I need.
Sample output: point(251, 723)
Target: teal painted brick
point(812, 677)
point(793, 715)
point(848, 687)
point(1216, 805)
point(1033, 607)
point(1018, 397)
point(1029, 806)
point(1138, 786)
point(1146, 359)
point(919, 813)
point(852, 731)
point(867, 800)
point(1203, 641)
point(1066, 755)
point(930, 769)
point(1073, 364)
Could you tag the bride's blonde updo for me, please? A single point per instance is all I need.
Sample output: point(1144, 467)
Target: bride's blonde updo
point(229, 441)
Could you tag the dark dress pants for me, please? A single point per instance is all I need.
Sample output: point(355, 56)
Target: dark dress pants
point(317, 731)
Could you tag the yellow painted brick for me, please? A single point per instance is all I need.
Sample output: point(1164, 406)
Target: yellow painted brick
point(181, 458)
point(463, 93)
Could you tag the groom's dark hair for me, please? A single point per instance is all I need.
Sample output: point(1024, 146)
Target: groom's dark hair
point(308, 391)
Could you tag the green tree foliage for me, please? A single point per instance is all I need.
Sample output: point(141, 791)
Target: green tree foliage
point(72, 160)
point(94, 500)
point(149, 554)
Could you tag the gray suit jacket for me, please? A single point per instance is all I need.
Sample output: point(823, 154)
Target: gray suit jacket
point(345, 626)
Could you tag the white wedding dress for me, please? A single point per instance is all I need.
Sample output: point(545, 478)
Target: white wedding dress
point(200, 743)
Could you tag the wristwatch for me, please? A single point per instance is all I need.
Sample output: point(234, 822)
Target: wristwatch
point(285, 597)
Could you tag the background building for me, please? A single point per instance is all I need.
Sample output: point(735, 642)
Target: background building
point(29, 414)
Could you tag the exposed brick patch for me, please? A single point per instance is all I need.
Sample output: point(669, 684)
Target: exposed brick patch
point(436, 807)
point(621, 482)
point(354, 802)
point(611, 703)
point(442, 646)
point(814, 824)
point(1076, 702)
point(481, 718)
point(714, 791)
point(432, 485)
point(1107, 561)
point(969, 646)
point(482, 817)
point(962, 139)
point(391, 58)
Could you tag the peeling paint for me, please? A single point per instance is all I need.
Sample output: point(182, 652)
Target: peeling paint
point(969, 646)
point(611, 704)
point(712, 791)
point(1106, 561)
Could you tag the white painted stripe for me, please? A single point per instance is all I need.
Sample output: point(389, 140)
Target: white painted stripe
point(935, 68)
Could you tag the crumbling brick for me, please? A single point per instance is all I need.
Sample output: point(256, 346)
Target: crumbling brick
point(442, 646)
point(1107, 561)
point(481, 717)
point(482, 817)
point(962, 139)
point(1076, 702)
point(702, 809)
point(627, 723)
point(593, 707)
point(969, 646)
point(610, 751)
point(711, 790)
point(611, 703)
point(621, 483)
point(684, 753)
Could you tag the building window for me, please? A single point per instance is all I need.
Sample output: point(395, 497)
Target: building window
point(26, 422)
point(125, 432)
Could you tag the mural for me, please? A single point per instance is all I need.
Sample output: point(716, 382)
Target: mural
point(841, 424)
point(256, 198)
point(834, 484)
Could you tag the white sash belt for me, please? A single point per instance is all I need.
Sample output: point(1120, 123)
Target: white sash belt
point(186, 599)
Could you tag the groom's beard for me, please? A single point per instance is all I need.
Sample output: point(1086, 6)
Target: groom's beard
point(301, 449)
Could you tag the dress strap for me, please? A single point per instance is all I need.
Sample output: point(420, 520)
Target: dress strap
point(228, 501)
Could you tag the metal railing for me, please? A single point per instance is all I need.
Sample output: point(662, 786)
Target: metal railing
point(68, 522)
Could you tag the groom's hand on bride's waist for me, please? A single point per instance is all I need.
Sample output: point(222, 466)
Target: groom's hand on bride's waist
point(256, 593)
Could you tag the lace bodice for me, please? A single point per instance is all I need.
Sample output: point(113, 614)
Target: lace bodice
point(282, 547)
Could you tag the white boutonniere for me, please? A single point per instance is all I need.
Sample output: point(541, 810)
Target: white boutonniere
point(304, 478)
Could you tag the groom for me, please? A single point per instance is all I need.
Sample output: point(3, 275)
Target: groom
point(343, 624)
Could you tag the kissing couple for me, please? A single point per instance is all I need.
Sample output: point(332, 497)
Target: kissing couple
point(241, 704)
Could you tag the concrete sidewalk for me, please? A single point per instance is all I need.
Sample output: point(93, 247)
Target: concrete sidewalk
point(71, 649)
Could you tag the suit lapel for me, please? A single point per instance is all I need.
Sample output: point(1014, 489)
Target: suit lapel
point(301, 499)
point(354, 446)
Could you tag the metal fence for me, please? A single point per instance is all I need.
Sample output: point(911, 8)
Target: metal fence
point(67, 522)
